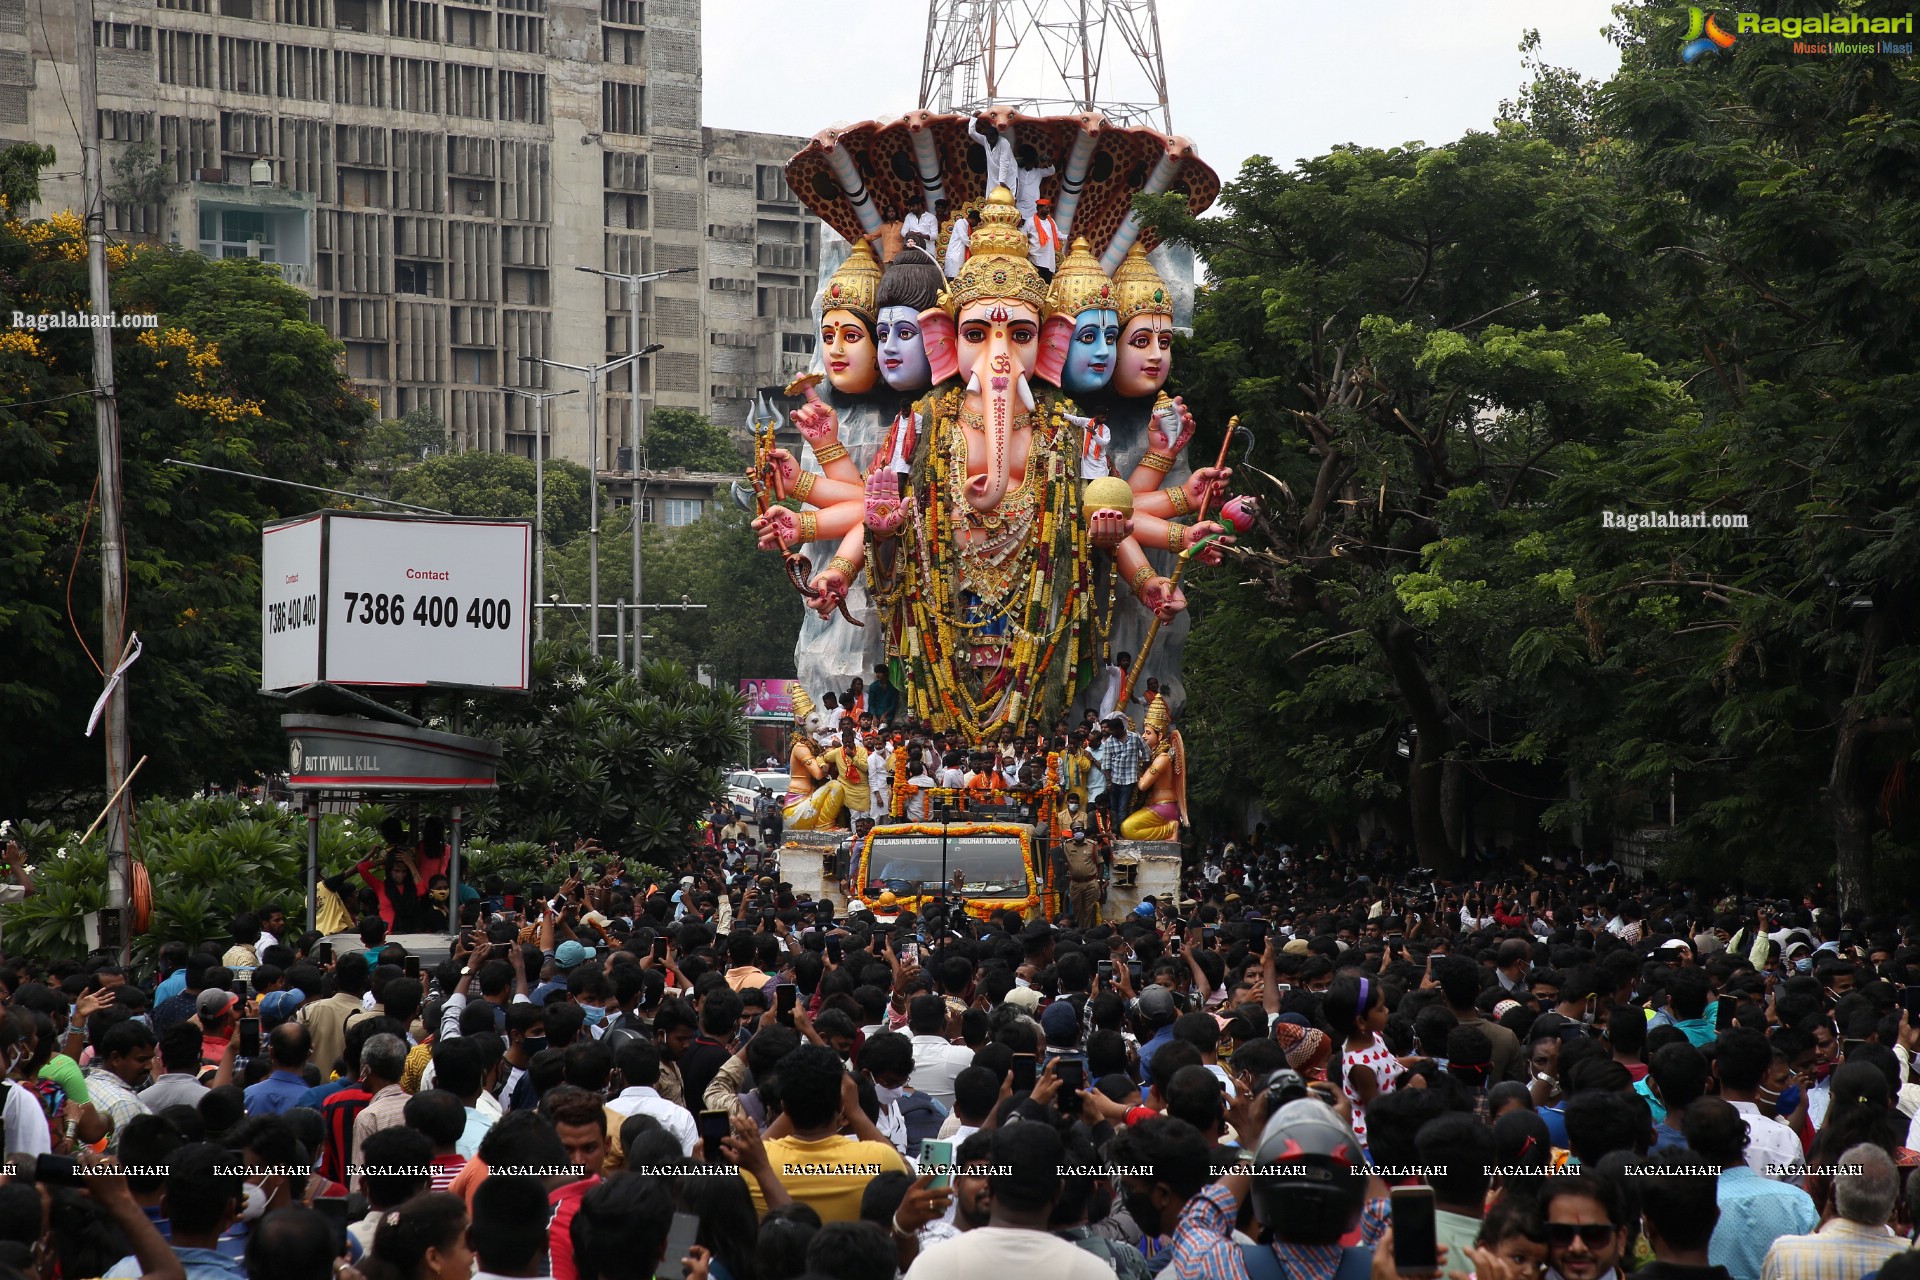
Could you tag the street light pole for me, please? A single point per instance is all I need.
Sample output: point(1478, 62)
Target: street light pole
point(636, 436)
point(592, 373)
point(540, 399)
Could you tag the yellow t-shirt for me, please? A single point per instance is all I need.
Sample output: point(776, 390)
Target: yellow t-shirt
point(831, 1174)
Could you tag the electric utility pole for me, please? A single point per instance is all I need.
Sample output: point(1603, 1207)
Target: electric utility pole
point(106, 422)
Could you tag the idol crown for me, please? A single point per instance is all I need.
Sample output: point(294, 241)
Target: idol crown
point(998, 266)
point(855, 286)
point(1139, 289)
point(1080, 284)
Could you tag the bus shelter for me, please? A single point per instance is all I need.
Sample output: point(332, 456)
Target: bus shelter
point(341, 745)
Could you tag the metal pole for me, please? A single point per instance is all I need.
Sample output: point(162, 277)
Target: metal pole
point(453, 872)
point(539, 517)
point(313, 860)
point(634, 440)
point(540, 443)
point(620, 632)
point(113, 568)
point(593, 509)
point(592, 374)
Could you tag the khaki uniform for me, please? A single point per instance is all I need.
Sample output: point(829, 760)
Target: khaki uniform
point(1083, 889)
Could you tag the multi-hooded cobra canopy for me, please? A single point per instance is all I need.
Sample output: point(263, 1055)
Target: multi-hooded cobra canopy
point(860, 176)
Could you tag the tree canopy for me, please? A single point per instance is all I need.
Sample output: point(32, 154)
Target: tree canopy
point(683, 438)
point(1686, 290)
point(236, 376)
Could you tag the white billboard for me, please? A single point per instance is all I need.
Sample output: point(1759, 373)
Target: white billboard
point(400, 600)
point(290, 604)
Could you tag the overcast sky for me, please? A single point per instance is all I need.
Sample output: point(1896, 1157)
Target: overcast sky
point(1282, 78)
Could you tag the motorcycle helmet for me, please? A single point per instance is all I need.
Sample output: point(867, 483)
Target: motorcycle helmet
point(1310, 1179)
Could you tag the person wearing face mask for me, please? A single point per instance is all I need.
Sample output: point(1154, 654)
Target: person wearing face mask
point(526, 1036)
point(434, 912)
point(1179, 1158)
point(1741, 1060)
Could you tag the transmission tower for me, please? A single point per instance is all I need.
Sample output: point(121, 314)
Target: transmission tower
point(1047, 57)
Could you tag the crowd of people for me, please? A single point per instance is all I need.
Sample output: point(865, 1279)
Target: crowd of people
point(1310, 1063)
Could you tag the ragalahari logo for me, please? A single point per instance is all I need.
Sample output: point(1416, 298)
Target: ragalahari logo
point(1706, 32)
point(1704, 35)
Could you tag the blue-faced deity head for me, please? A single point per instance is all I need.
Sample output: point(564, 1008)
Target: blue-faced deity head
point(903, 358)
point(1096, 340)
point(911, 284)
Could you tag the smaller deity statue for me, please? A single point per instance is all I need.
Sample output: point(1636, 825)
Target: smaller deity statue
point(1164, 781)
point(814, 800)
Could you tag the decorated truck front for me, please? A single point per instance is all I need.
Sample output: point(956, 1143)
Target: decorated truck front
point(992, 866)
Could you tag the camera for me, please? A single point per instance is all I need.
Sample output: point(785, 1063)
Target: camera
point(1284, 1086)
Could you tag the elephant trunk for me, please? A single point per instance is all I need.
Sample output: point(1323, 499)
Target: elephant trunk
point(1002, 387)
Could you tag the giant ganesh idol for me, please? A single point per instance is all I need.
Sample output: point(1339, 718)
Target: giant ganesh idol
point(985, 526)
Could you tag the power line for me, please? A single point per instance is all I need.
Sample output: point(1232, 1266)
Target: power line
point(295, 484)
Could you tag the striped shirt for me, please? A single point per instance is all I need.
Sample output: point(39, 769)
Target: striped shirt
point(1840, 1250)
point(1120, 759)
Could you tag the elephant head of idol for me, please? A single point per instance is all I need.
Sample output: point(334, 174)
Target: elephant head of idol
point(1082, 329)
point(910, 285)
point(1145, 309)
point(848, 316)
point(995, 304)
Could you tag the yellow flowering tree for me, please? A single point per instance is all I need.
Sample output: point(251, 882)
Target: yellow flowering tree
point(234, 374)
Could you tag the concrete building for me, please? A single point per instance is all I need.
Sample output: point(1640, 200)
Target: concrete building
point(432, 174)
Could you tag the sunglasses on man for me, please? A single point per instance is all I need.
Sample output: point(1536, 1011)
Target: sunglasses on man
point(1592, 1234)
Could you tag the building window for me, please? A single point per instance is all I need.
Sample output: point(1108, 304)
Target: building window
point(417, 277)
point(622, 107)
point(122, 35)
point(683, 511)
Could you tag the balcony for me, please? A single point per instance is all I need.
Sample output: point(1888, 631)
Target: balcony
point(261, 222)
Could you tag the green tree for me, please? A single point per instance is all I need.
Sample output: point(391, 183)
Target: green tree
point(497, 486)
point(632, 759)
point(1777, 201)
point(683, 438)
point(394, 444)
point(750, 616)
point(237, 377)
point(1414, 337)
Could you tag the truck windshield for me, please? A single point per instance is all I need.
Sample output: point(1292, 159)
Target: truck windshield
point(986, 864)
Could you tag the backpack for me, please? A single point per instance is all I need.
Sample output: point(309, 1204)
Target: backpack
point(52, 1100)
point(924, 1116)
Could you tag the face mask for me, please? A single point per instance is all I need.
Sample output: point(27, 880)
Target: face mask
point(534, 1044)
point(888, 1096)
point(253, 1202)
point(1803, 965)
point(1140, 1207)
point(594, 1013)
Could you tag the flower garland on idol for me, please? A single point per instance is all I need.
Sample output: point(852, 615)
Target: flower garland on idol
point(1035, 614)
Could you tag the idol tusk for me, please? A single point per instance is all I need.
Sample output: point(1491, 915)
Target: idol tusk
point(1026, 394)
point(973, 383)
